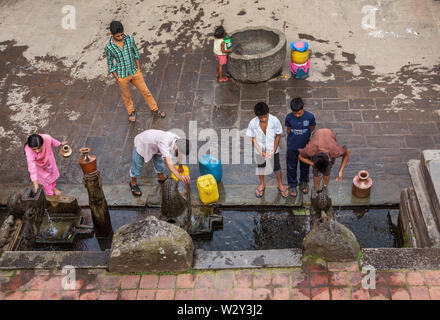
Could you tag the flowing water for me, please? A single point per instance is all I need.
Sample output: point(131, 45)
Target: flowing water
point(52, 230)
point(370, 226)
point(279, 229)
point(257, 230)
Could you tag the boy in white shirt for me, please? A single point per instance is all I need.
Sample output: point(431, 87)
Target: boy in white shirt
point(265, 131)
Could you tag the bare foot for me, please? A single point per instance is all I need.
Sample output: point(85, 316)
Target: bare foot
point(57, 192)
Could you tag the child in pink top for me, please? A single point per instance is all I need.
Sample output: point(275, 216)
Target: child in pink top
point(220, 52)
point(41, 162)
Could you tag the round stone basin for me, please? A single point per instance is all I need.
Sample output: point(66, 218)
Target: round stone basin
point(258, 54)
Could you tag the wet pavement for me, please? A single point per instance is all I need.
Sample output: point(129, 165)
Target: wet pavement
point(382, 134)
point(385, 119)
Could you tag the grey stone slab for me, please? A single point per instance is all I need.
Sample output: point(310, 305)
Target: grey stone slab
point(256, 91)
point(421, 142)
point(383, 193)
point(277, 97)
point(386, 141)
point(11, 260)
point(335, 104)
point(348, 116)
point(247, 259)
point(362, 104)
point(424, 202)
point(401, 258)
point(225, 116)
point(431, 173)
point(227, 93)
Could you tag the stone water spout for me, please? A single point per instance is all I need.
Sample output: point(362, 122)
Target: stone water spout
point(328, 239)
point(19, 230)
point(321, 209)
point(176, 203)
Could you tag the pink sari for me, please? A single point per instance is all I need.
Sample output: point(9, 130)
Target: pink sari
point(42, 166)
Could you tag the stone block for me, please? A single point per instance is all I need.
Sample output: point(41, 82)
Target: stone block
point(424, 203)
point(430, 165)
point(151, 245)
point(332, 242)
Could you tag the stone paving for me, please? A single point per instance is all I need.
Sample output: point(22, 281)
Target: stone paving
point(382, 132)
point(384, 120)
point(246, 284)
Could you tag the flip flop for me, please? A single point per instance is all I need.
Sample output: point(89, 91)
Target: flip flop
point(133, 116)
point(292, 191)
point(134, 189)
point(162, 181)
point(258, 191)
point(305, 188)
point(284, 193)
point(159, 113)
point(223, 79)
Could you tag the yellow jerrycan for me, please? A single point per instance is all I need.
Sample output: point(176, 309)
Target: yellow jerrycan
point(184, 173)
point(208, 190)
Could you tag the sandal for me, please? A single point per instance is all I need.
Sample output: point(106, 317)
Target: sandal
point(284, 193)
point(135, 190)
point(162, 181)
point(132, 116)
point(224, 79)
point(259, 193)
point(159, 113)
point(305, 189)
point(293, 192)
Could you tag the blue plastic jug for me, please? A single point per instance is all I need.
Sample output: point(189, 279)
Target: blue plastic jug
point(210, 165)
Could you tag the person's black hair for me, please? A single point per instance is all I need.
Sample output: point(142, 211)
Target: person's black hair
point(321, 162)
point(34, 141)
point(296, 104)
point(261, 109)
point(219, 32)
point(116, 27)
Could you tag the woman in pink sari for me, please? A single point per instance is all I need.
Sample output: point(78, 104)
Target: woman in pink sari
point(41, 162)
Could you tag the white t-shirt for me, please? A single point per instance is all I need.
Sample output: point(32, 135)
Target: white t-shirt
point(265, 141)
point(151, 142)
point(218, 47)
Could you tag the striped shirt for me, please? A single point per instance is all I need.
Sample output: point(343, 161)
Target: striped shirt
point(122, 60)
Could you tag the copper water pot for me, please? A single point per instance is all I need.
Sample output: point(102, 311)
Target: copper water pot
point(87, 161)
point(362, 184)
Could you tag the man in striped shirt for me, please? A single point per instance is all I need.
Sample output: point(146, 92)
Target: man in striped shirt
point(123, 62)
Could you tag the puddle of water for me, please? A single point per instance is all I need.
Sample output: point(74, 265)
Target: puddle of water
point(261, 230)
point(370, 226)
point(257, 230)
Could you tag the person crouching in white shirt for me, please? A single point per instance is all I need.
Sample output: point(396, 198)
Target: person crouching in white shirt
point(157, 145)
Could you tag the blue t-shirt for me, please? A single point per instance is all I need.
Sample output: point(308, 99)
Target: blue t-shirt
point(300, 130)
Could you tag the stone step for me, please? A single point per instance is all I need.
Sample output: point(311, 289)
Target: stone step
point(414, 236)
point(424, 202)
point(430, 161)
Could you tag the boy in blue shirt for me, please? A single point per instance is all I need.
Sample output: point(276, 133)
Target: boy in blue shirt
point(299, 125)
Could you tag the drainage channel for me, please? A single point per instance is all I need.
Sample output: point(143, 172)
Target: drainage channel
point(255, 228)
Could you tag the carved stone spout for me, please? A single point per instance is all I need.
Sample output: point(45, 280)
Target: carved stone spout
point(321, 209)
point(176, 203)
